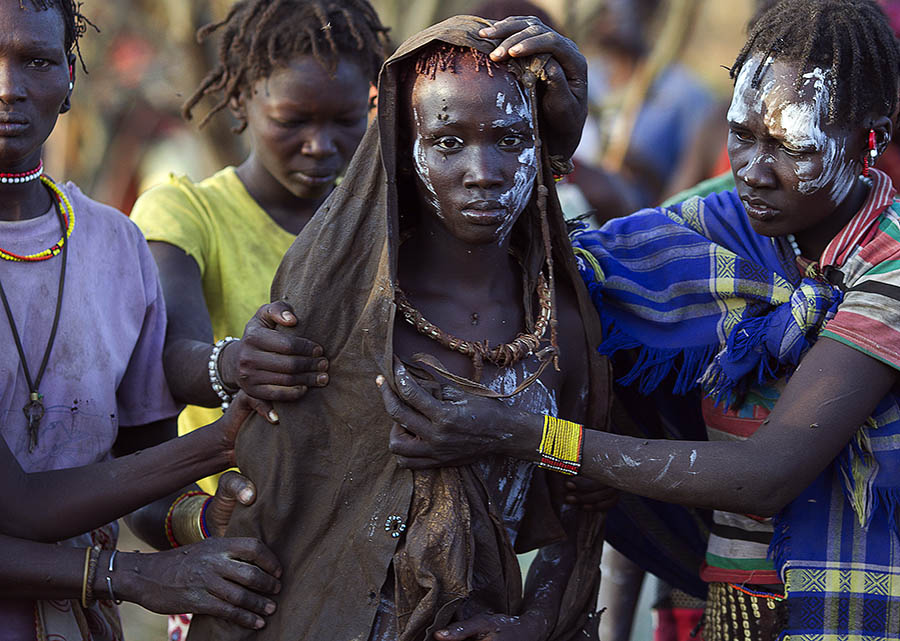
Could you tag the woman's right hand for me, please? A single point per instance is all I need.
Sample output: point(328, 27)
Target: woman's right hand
point(222, 577)
point(270, 365)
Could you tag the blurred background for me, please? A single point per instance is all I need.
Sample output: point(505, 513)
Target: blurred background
point(659, 91)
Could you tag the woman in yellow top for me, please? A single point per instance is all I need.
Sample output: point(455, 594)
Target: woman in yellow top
point(218, 242)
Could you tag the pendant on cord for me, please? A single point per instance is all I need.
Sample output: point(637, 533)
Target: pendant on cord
point(34, 412)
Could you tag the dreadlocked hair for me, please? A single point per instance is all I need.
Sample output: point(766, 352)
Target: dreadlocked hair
point(443, 57)
point(852, 38)
point(260, 35)
point(76, 24)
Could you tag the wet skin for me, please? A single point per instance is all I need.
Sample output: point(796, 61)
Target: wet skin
point(474, 175)
point(304, 125)
point(795, 171)
point(473, 152)
point(34, 90)
point(759, 475)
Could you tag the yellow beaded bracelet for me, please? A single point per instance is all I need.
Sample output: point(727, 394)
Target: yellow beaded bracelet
point(561, 445)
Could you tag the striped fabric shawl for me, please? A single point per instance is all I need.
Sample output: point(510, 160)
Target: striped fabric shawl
point(707, 301)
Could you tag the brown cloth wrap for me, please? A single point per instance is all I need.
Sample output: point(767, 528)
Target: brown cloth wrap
point(327, 485)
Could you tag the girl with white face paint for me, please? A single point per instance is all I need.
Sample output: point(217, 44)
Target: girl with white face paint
point(778, 301)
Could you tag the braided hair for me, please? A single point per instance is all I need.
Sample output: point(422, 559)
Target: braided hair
point(75, 23)
point(260, 35)
point(850, 37)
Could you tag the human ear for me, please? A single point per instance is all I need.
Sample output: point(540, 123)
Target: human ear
point(884, 130)
point(238, 109)
point(70, 63)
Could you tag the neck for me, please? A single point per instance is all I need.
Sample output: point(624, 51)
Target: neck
point(289, 211)
point(434, 258)
point(23, 201)
point(813, 241)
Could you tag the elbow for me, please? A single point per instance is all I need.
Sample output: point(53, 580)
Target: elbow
point(764, 497)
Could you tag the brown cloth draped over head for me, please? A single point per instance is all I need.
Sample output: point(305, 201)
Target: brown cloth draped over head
point(332, 503)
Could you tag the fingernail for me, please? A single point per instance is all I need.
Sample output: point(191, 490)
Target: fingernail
point(322, 379)
point(571, 499)
point(515, 50)
point(278, 576)
point(379, 380)
point(486, 31)
point(288, 317)
point(246, 495)
point(498, 52)
point(259, 624)
point(272, 416)
point(270, 607)
point(317, 351)
point(570, 485)
point(322, 365)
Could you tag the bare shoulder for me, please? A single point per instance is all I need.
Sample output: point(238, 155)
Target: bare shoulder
point(573, 358)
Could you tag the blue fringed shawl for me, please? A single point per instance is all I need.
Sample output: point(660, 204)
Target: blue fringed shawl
point(705, 299)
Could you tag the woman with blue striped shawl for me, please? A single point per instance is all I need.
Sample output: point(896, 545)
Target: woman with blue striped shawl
point(780, 301)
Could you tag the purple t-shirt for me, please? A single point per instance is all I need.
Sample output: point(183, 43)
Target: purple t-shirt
point(105, 370)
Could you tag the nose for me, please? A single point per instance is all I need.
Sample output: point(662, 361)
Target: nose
point(758, 172)
point(11, 87)
point(483, 169)
point(319, 143)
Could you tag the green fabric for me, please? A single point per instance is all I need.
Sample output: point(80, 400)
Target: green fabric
point(722, 182)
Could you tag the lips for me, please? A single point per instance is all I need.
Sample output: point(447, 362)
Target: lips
point(316, 177)
point(12, 123)
point(484, 212)
point(759, 209)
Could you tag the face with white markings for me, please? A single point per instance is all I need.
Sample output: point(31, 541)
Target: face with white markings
point(473, 151)
point(793, 168)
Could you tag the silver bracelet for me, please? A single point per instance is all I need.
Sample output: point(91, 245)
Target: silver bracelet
point(112, 596)
point(215, 378)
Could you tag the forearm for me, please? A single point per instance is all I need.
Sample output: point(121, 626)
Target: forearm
point(549, 574)
point(30, 570)
point(108, 490)
point(723, 475)
point(186, 363)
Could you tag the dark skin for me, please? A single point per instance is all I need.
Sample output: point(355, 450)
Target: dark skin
point(304, 125)
point(457, 264)
point(227, 578)
point(806, 430)
point(34, 90)
point(268, 365)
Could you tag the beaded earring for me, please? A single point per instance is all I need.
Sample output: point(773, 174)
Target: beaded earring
point(71, 77)
point(873, 152)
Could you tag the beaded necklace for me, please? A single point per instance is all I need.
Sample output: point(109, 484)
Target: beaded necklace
point(34, 407)
point(793, 243)
point(504, 355)
point(67, 215)
point(23, 177)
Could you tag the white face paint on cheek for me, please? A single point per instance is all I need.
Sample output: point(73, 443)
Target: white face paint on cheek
point(421, 165)
point(516, 198)
point(518, 195)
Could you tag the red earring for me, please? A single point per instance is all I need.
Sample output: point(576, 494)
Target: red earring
point(873, 152)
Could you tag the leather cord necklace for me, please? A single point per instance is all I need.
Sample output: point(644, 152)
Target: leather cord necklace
point(34, 408)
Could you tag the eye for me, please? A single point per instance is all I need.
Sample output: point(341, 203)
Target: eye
point(796, 153)
point(512, 140)
point(448, 143)
point(741, 135)
point(288, 124)
point(39, 63)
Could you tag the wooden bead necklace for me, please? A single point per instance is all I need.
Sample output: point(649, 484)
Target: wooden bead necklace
point(504, 355)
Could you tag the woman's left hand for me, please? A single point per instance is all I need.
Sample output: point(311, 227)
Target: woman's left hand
point(428, 432)
point(564, 103)
point(496, 627)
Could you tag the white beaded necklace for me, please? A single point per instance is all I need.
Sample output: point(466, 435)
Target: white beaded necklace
point(793, 243)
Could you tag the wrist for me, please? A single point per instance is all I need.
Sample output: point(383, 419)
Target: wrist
point(522, 435)
point(124, 578)
point(228, 366)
